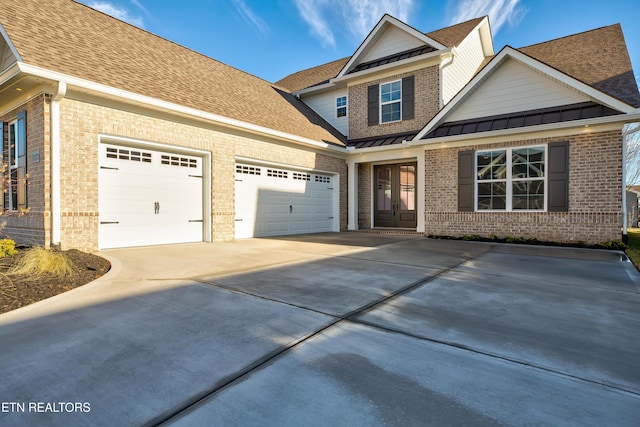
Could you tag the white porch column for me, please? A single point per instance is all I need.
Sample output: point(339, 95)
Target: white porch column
point(421, 191)
point(56, 215)
point(352, 189)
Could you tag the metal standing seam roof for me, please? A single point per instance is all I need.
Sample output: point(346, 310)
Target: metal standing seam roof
point(70, 38)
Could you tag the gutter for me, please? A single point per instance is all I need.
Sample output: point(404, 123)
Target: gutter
point(56, 212)
point(173, 108)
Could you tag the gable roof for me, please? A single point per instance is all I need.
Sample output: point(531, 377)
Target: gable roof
point(597, 57)
point(605, 105)
point(75, 40)
point(447, 37)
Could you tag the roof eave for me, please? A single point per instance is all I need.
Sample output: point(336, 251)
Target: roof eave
point(157, 104)
point(336, 81)
point(584, 125)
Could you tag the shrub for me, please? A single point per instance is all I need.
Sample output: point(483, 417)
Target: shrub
point(614, 244)
point(7, 248)
point(37, 261)
point(512, 239)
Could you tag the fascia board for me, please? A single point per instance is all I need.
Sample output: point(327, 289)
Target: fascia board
point(509, 52)
point(393, 21)
point(171, 107)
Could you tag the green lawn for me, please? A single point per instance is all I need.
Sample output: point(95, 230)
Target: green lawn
point(633, 251)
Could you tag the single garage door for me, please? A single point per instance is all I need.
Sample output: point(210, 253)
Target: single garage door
point(274, 201)
point(148, 197)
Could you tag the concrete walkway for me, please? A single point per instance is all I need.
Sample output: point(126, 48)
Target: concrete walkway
point(332, 329)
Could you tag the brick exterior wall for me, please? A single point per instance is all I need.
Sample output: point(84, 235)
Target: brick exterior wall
point(595, 188)
point(426, 105)
point(82, 123)
point(32, 227)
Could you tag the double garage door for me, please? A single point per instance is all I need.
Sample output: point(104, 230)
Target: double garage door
point(152, 197)
point(148, 197)
point(275, 201)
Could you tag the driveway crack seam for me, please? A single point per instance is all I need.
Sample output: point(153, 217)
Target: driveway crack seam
point(272, 356)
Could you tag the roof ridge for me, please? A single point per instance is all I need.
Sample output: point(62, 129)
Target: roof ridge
point(570, 35)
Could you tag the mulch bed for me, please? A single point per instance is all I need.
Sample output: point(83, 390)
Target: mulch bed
point(19, 290)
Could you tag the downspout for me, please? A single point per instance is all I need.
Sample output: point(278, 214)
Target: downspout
point(447, 61)
point(56, 212)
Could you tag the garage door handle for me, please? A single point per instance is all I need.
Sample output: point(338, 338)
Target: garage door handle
point(290, 208)
point(109, 222)
point(156, 208)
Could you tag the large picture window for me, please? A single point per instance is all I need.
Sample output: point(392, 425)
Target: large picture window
point(511, 179)
point(391, 101)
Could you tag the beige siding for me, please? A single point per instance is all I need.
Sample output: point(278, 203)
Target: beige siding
point(391, 41)
point(325, 105)
point(515, 87)
point(594, 209)
point(83, 122)
point(467, 59)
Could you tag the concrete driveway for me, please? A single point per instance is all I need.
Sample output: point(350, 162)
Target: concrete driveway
point(332, 329)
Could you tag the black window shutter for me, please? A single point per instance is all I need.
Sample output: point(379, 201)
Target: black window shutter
point(558, 179)
point(22, 160)
point(408, 90)
point(372, 105)
point(465, 181)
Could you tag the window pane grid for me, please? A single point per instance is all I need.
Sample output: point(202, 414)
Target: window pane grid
point(390, 105)
point(511, 179)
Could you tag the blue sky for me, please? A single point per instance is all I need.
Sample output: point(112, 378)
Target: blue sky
point(273, 38)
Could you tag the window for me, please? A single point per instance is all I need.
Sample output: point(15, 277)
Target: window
point(390, 102)
point(341, 106)
point(15, 150)
point(511, 179)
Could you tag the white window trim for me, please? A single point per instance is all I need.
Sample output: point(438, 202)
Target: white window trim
point(12, 162)
point(508, 180)
point(345, 106)
point(389, 102)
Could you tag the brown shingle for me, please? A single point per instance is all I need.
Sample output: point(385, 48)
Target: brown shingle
point(312, 76)
point(598, 58)
point(455, 34)
point(73, 39)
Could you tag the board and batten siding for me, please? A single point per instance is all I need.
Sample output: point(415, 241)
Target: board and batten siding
point(325, 105)
point(392, 40)
point(515, 87)
point(467, 59)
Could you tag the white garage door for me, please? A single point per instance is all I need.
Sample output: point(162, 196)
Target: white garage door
point(275, 201)
point(148, 197)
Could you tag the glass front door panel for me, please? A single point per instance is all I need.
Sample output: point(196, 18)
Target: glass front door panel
point(384, 189)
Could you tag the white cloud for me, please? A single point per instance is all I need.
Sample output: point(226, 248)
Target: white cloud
point(117, 12)
point(250, 16)
point(356, 16)
point(500, 12)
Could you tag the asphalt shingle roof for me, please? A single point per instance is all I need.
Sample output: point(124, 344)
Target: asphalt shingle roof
point(73, 39)
point(598, 58)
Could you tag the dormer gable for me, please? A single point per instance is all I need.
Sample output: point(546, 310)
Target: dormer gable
point(390, 41)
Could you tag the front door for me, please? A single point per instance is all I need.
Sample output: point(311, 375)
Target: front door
point(395, 195)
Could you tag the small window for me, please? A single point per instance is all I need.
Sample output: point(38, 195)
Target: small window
point(322, 178)
point(341, 106)
point(276, 173)
point(301, 176)
point(247, 170)
point(390, 101)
